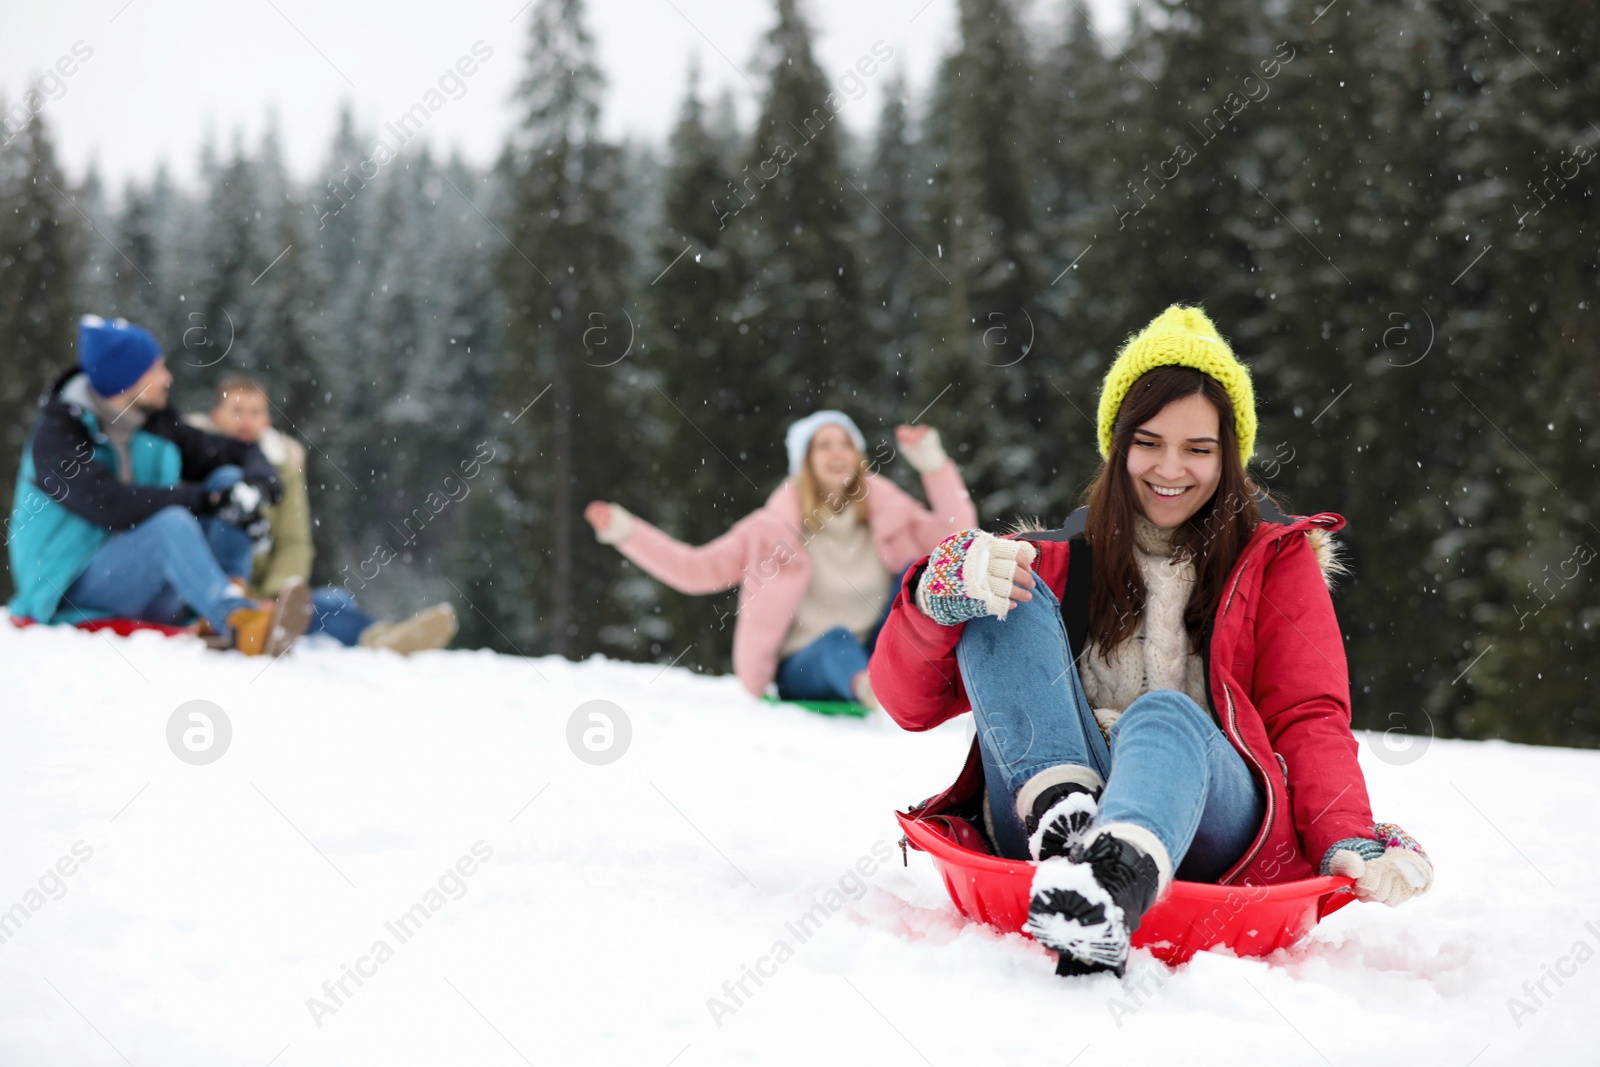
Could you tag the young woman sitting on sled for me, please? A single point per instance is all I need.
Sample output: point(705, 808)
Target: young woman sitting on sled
point(1203, 731)
point(816, 565)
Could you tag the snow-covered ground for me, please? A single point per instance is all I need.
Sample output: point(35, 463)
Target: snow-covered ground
point(571, 913)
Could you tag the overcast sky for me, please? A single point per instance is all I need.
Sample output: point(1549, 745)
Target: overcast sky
point(162, 74)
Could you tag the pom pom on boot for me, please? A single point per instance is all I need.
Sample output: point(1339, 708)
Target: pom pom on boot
point(1087, 904)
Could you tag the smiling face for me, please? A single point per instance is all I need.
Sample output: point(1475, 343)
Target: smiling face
point(834, 459)
point(1175, 460)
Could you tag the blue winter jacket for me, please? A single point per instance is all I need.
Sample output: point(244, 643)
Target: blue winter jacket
point(70, 499)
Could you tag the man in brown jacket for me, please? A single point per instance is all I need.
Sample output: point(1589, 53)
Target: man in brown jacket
point(241, 411)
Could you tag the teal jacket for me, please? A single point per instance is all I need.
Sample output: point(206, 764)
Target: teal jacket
point(71, 500)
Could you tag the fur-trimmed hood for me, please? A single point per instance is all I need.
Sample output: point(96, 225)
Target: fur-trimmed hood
point(1331, 555)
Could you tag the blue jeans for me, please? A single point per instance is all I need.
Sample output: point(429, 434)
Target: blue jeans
point(1168, 767)
point(824, 669)
point(334, 612)
point(166, 569)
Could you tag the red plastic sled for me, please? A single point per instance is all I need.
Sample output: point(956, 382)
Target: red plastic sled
point(120, 627)
point(1190, 918)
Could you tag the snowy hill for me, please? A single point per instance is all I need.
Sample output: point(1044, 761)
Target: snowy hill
point(421, 831)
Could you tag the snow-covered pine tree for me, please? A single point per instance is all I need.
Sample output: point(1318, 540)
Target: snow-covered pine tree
point(41, 250)
point(428, 323)
point(1357, 426)
point(692, 295)
point(288, 285)
point(475, 533)
point(892, 249)
point(135, 292)
point(1083, 127)
point(1520, 166)
point(344, 237)
point(980, 381)
point(102, 262)
point(562, 271)
point(219, 299)
point(793, 212)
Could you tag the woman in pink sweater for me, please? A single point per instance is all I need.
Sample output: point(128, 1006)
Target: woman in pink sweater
point(816, 564)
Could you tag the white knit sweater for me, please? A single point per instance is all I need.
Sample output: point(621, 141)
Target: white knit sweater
point(1157, 656)
point(849, 585)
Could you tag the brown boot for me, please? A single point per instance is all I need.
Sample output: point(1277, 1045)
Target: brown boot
point(238, 588)
point(270, 629)
point(428, 629)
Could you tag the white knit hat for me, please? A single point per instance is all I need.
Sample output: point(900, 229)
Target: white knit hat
point(798, 439)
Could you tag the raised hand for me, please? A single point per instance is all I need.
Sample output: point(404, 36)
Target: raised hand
point(921, 448)
point(909, 435)
point(598, 514)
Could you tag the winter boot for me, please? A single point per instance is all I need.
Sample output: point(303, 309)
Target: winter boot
point(428, 629)
point(238, 589)
point(1087, 904)
point(272, 630)
point(1060, 819)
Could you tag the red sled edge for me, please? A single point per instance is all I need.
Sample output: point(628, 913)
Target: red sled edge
point(1190, 918)
point(120, 627)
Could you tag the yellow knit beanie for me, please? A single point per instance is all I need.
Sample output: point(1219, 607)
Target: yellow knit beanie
point(1181, 336)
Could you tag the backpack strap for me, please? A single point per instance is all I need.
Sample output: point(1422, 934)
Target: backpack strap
point(1075, 598)
point(1270, 512)
point(1073, 527)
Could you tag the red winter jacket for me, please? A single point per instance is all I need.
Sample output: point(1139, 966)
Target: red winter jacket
point(1275, 671)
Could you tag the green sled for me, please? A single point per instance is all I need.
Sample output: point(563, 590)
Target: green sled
point(826, 707)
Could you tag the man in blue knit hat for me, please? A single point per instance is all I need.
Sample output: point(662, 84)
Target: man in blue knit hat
point(124, 510)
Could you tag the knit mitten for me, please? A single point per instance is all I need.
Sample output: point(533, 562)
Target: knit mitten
point(969, 575)
point(1389, 866)
point(240, 504)
point(618, 529)
point(927, 455)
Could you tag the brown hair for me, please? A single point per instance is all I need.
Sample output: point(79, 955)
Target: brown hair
point(1212, 537)
point(238, 383)
point(816, 509)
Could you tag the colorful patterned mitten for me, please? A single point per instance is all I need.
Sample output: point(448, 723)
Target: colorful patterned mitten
point(969, 575)
point(1389, 867)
